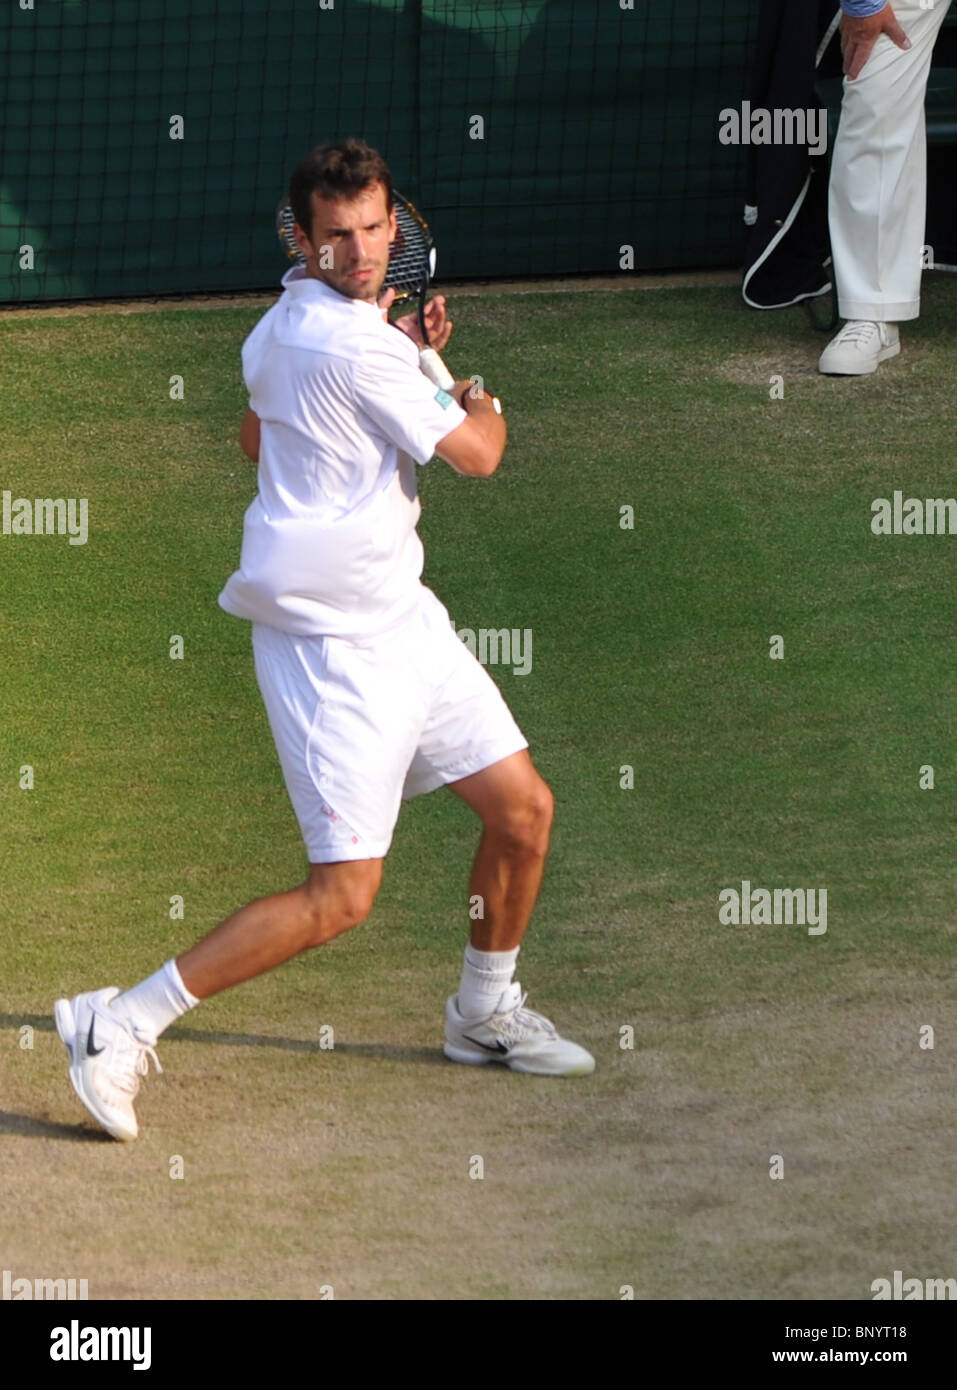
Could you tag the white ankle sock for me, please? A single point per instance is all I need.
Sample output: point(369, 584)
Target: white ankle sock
point(485, 977)
point(155, 1003)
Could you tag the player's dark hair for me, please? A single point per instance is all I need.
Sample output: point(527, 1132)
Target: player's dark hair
point(336, 171)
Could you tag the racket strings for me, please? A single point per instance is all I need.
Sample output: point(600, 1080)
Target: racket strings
point(409, 259)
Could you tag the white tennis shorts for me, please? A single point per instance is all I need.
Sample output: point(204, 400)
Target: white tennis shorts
point(361, 728)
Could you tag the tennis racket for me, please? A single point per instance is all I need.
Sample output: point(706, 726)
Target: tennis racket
point(410, 271)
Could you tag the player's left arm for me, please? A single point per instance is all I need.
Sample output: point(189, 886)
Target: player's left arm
point(399, 402)
point(249, 435)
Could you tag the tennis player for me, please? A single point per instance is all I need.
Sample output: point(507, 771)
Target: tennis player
point(371, 697)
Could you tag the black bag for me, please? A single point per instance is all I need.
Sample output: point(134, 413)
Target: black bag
point(788, 250)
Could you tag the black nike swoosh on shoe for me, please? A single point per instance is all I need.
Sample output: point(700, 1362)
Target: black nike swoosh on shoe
point(499, 1046)
point(92, 1051)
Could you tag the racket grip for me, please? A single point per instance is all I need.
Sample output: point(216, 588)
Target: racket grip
point(435, 369)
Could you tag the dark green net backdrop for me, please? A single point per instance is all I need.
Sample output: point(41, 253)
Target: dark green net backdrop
point(599, 124)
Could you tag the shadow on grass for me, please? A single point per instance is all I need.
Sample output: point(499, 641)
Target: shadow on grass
point(43, 1023)
point(29, 1127)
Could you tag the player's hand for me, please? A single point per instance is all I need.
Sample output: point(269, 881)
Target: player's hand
point(437, 321)
point(858, 37)
point(471, 396)
point(384, 300)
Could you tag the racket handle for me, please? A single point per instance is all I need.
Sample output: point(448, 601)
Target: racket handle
point(435, 369)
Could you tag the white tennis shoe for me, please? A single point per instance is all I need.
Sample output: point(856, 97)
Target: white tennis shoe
point(107, 1059)
point(515, 1036)
point(860, 348)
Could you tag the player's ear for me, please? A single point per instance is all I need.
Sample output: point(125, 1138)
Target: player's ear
point(302, 241)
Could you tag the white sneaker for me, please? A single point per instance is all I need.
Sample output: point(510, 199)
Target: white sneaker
point(860, 348)
point(107, 1059)
point(515, 1036)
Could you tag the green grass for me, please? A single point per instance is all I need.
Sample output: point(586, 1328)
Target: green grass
point(157, 777)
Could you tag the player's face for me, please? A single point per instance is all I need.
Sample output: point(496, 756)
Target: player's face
point(350, 240)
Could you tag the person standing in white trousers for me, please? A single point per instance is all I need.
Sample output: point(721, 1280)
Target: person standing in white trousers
point(878, 187)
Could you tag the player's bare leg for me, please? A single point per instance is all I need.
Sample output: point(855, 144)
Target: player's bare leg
point(272, 930)
point(516, 808)
point(109, 1035)
point(486, 1021)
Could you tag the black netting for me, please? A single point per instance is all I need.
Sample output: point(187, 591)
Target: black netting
point(537, 136)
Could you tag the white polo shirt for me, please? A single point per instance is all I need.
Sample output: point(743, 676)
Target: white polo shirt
point(329, 542)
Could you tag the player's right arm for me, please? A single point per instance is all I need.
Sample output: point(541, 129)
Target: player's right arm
point(475, 447)
point(249, 435)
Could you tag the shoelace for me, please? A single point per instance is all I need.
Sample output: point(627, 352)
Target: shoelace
point(519, 1021)
point(858, 331)
point(128, 1059)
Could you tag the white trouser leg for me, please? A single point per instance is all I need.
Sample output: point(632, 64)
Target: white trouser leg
point(878, 189)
